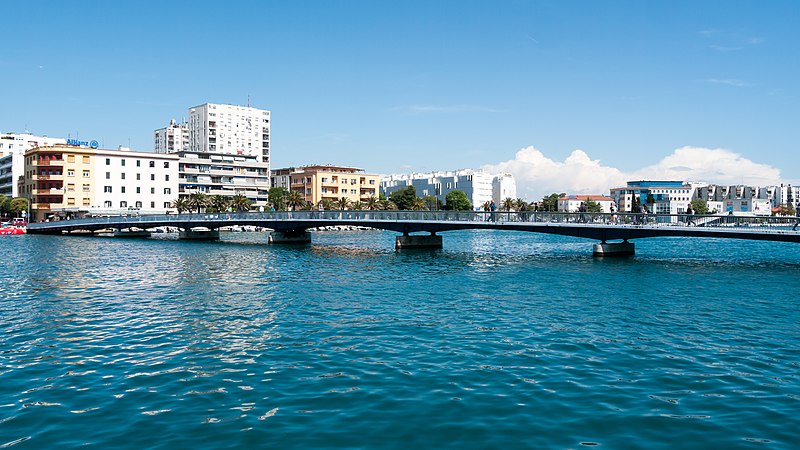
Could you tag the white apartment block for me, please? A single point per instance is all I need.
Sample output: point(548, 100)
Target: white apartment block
point(229, 129)
point(223, 174)
point(135, 180)
point(786, 194)
point(15, 146)
point(172, 139)
point(572, 203)
point(503, 187)
point(476, 184)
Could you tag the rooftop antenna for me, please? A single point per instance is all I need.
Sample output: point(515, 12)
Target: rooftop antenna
point(248, 100)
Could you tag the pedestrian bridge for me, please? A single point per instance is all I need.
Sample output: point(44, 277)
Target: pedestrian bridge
point(293, 226)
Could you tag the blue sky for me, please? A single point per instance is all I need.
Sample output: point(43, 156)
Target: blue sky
point(418, 85)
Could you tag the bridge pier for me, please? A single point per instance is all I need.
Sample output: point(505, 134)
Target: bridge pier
point(199, 235)
point(407, 241)
point(614, 249)
point(290, 237)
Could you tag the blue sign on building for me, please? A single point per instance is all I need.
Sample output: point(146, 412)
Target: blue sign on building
point(91, 144)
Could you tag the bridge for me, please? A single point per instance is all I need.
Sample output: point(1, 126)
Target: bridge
point(293, 226)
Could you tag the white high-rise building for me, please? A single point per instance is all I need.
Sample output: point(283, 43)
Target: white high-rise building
point(503, 187)
point(478, 186)
point(15, 146)
point(229, 129)
point(172, 139)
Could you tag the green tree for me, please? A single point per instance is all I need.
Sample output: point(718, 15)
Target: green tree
point(373, 203)
point(592, 206)
point(342, 203)
point(218, 203)
point(550, 202)
point(278, 196)
point(181, 205)
point(241, 203)
point(295, 200)
point(699, 206)
point(327, 204)
point(357, 205)
point(508, 204)
point(432, 203)
point(5, 204)
point(418, 205)
point(520, 205)
point(457, 201)
point(17, 205)
point(404, 198)
point(198, 201)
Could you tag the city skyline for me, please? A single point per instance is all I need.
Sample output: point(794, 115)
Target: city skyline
point(547, 90)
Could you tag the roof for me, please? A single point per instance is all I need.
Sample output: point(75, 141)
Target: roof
point(594, 198)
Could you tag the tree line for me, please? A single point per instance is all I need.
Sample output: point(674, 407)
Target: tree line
point(12, 206)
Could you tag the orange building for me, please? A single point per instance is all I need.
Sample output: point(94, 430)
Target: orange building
point(318, 183)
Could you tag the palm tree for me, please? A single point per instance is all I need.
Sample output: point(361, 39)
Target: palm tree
point(373, 203)
point(342, 203)
point(357, 205)
point(418, 204)
point(241, 203)
point(487, 205)
point(386, 205)
point(327, 204)
point(508, 204)
point(181, 204)
point(219, 203)
point(296, 200)
point(198, 201)
point(521, 205)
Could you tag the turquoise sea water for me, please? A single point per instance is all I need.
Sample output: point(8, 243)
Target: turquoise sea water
point(501, 340)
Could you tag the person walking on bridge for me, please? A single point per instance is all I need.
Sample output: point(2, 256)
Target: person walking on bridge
point(797, 216)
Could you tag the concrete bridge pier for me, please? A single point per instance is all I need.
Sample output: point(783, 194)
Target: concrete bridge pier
point(406, 241)
point(290, 237)
point(199, 235)
point(624, 248)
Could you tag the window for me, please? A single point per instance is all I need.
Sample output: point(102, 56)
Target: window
point(167, 205)
point(167, 191)
point(372, 182)
point(70, 158)
point(70, 173)
point(107, 204)
point(166, 177)
point(152, 204)
point(152, 190)
point(108, 175)
point(86, 188)
point(85, 174)
point(138, 190)
point(86, 160)
point(152, 177)
point(86, 202)
point(138, 163)
point(107, 189)
point(71, 201)
point(123, 176)
point(138, 176)
point(123, 204)
point(152, 163)
point(123, 189)
point(138, 204)
point(166, 164)
point(108, 161)
point(123, 163)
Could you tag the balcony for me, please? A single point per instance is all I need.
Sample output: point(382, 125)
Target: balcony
point(52, 191)
point(48, 162)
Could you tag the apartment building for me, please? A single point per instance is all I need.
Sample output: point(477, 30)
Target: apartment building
point(173, 138)
point(214, 173)
point(479, 186)
point(13, 146)
point(327, 182)
point(229, 129)
point(572, 203)
point(75, 180)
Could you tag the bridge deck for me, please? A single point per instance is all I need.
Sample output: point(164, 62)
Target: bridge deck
point(602, 227)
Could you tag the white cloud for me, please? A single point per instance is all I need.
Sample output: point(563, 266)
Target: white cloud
point(729, 82)
point(537, 175)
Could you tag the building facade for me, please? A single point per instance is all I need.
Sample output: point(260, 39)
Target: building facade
point(479, 186)
point(72, 181)
point(214, 173)
point(662, 197)
point(326, 182)
point(572, 203)
point(14, 146)
point(229, 129)
point(173, 138)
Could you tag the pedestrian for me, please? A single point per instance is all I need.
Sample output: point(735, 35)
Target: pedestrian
point(493, 208)
point(797, 215)
point(689, 213)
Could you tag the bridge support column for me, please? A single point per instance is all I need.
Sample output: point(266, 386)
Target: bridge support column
point(614, 249)
point(199, 235)
point(407, 241)
point(290, 237)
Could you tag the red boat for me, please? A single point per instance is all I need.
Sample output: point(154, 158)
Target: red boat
point(11, 230)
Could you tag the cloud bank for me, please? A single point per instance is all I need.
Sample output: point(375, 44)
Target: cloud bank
point(537, 175)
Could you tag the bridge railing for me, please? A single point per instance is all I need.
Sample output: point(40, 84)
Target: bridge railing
point(498, 217)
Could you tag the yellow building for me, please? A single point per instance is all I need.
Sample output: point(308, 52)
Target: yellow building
point(63, 181)
point(318, 183)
